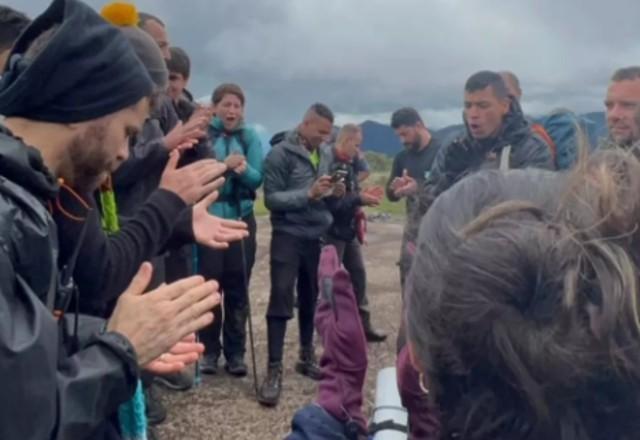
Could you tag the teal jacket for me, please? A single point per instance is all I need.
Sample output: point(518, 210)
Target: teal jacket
point(225, 143)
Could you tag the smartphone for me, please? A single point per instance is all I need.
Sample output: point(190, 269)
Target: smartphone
point(339, 176)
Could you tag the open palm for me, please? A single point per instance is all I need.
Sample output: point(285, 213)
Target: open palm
point(212, 231)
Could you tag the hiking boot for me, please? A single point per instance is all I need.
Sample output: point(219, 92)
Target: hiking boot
point(156, 412)
point(271, 387)
point(236, 367)
point(374, 336)
point(307, 365)
point(209, 364)
point(181, 381)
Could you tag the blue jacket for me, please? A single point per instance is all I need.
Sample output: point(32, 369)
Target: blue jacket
point(225, 143)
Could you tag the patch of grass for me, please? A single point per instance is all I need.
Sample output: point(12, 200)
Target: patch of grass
point(396, 209)
point(258, 207)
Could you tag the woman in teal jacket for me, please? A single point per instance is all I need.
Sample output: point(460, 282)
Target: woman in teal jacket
point(240, 148)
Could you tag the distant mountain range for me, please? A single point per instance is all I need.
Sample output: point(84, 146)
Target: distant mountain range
point(381, 138)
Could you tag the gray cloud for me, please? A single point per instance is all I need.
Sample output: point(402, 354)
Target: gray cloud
point(368, 57)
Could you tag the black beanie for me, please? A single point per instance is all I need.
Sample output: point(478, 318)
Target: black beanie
point(87, 70)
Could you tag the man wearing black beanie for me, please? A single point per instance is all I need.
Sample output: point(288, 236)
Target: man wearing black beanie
point(73, 93)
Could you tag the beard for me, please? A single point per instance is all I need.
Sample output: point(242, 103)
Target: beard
point(416, 144)
point(88, 162)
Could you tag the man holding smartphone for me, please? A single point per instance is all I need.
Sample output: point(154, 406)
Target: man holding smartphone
point(295, 193)
point(340, 161)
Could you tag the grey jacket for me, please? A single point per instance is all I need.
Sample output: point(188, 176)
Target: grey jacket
point(288, 176)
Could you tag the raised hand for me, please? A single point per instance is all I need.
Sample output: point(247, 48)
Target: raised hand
point(156, 321)
point(212, 231)
point(192, 182)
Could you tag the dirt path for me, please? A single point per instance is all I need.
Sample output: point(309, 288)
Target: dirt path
point(225, 408)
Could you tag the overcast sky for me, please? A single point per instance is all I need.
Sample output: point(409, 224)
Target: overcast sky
point(365, 58)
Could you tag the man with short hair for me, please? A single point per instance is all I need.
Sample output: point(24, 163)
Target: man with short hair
point(162, 134)
point(294, 193)
point(179, 73)
point(341, 161)
point(411, 167)
point(158, 31)
point(622, 104)
point(497, 135)
point(513, 84)
point(178, 263)
point(561, 129)
point(12, 23)
point(65, 382)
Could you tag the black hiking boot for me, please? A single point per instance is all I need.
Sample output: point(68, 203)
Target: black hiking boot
point(181, 381)
point(374, 336)
point(271, 387)
point(209, 364)
point(236, 367)
point(156, 412)
point(307, 365)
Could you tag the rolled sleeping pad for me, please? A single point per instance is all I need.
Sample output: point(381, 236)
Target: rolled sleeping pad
point(390, 419)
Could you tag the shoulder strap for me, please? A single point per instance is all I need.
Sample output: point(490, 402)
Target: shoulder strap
point(239, 135)
point(242, 139)
point(542, 132)
point(505, 157)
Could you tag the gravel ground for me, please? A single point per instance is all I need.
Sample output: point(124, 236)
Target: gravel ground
point(225, 408)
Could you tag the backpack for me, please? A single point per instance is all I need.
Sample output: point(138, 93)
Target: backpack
point(245, 193)
point(560, 131)
point(277, 138)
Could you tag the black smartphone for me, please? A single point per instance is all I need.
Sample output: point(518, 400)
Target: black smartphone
point(339, 176)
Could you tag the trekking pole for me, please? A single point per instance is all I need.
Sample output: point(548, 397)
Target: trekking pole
point(249, 318)
point(245, 280)
point(197, 379)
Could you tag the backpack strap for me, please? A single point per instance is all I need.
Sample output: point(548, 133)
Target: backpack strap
point(546, 137)
point(505, 156)
point(239, 135)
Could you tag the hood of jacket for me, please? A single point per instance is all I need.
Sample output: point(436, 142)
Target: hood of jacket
point(23, 165)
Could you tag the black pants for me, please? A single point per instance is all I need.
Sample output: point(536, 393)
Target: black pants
point(294, 263)
point(350, 253)
point(226, 267)
point(178, 264)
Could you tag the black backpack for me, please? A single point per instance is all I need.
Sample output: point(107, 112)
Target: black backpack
point(277, 138)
